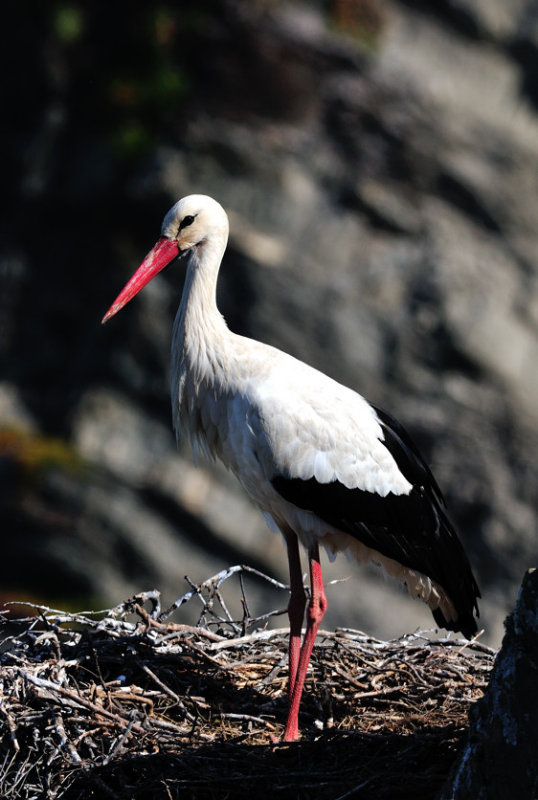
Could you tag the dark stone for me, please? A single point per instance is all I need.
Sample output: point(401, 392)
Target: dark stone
point(500, 759)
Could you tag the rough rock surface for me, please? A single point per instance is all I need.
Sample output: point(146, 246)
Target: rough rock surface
point(500, 758)
point(381, 183)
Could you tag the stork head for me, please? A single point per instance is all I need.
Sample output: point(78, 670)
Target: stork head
point(191, 223)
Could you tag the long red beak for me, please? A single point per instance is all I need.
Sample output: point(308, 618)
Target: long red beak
point(162, 254)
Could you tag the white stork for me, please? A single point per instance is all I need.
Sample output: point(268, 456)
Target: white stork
point(322, 464)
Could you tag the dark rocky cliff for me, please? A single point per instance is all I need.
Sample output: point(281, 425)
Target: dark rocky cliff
point(379, 162)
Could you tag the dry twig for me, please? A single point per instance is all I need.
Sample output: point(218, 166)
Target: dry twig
point(127, 704)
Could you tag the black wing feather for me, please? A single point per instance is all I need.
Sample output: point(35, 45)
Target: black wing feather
point(412, 529)
point(406, 454)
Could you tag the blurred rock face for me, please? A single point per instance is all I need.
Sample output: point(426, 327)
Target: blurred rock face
point(379, 170)
point(502, 731)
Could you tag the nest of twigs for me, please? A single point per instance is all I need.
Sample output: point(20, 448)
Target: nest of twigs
point(125, 703)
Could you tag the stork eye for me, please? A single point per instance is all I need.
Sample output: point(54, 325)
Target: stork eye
point(185, 222)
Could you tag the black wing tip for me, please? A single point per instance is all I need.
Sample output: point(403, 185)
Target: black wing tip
point(464, 624)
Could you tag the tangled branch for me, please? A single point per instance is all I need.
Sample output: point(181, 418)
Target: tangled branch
point(83, 695)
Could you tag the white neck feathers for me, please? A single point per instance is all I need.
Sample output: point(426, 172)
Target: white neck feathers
point(200, 332)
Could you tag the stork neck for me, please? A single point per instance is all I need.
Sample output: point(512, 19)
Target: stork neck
point(199, 324)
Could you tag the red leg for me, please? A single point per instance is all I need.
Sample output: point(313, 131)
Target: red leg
point(296, 607)
point(316, 611)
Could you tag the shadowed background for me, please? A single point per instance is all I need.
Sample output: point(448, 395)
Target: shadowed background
point(379, 163)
